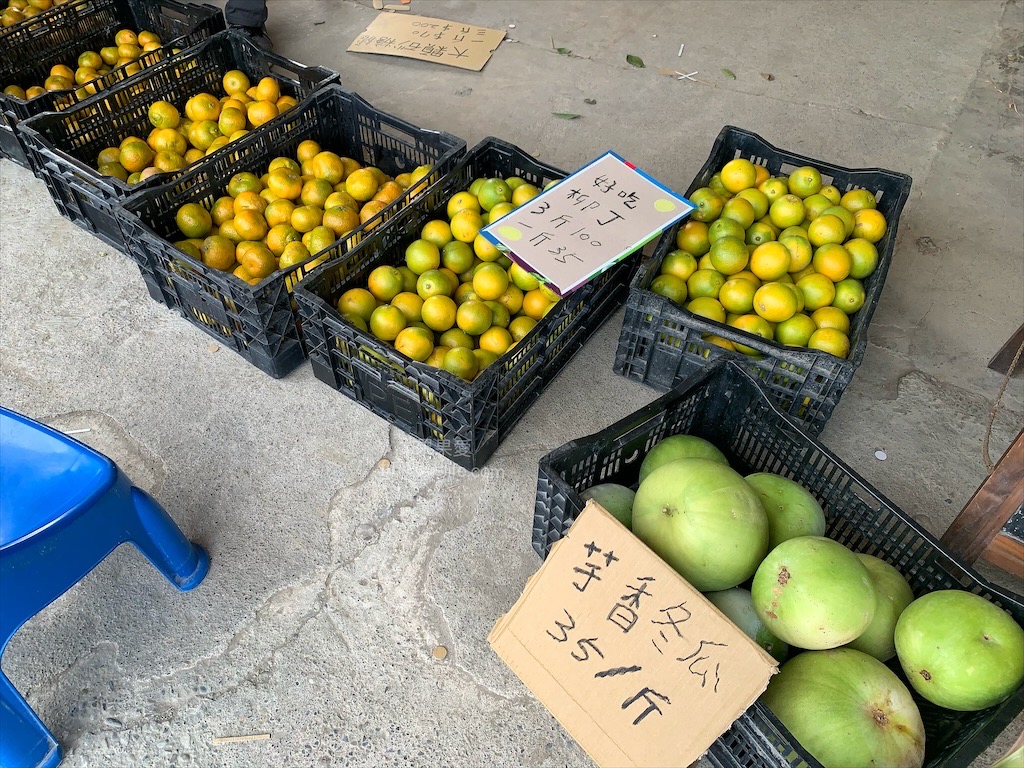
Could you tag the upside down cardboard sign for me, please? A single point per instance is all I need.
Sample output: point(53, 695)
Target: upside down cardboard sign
point(633, 661)
point(420, 37)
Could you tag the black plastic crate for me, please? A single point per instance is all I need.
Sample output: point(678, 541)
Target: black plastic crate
point(662, 343)
point(259, 321)
point(63, 146)
point(30, 48)
point(465, 421)
point(727, 406)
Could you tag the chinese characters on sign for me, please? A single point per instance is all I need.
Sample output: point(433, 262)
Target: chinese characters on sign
point(587, 222)
point(420, 37)
point(632, 660)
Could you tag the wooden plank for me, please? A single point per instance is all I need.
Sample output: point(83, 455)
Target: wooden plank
point(1002, 359)
point(1006, 554)
point(998, 497)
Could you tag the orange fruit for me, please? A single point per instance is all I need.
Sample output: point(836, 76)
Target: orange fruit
point(250, 224)
point(870, 225)
point(218, 252)
point(863, 257)
point(268, 89)
point(369, 210)
point(833, 261)
point(202, 106)
point(318, 239)
point(331, 168)
point(671, 287)
point(434, 282)
point(739, 210)
point(692, 237)
point(501, 314)
point(709, 205)
point(737, 295)
point(163, 114)
point(490, 281)
point(795, 331)
point(166, 161)
point(830, 340)
point(280, 235)
point(857, 200)
point(285, 183)
point(707, 307)
point(849, 295)
point(385, 282)
point(474, 316)
point(361, 184)
point(738, 174)
point(786, 211)
point(421, 255)
point(439, 312)
point(826, 229)
point(457, 256)
point(773, 189)
point(770, 261)
point(679, 263)
point(748, 276)
point(235, 81)
point(386, 322)
point(753, 324)
point(461, 362)
point(705, 283)
point(306, 218)
point(249, 201)
point(729, 255)
point(231, 120)
point(520, 326)
point(804, 181)
point(462, 201)
point(203, 133)
point(831, 317)
point(357, 301)
point(258, 260)
point(757, 199)
point(759, 233)
point(484, 249)
point(818, 291)
point(193, 220)
point(536, 304)
point(496, 339)
point(411, 305)
point(763, 174)
point(815, 205)
point(136, 156)
point(831, 194)
point(843, 215)
point(341, 221)
point(278, 212)
point(775, 302)
point(437, 232)
point(456, 337)
point(260, 112)
point(285, 103)
point(523, 194)
point(466, 225)
point(800, 252)
point(415, 343)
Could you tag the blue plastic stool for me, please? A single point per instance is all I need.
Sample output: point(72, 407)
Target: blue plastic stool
point(63, 508)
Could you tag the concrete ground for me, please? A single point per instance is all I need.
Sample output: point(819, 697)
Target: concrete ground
point(335, 577)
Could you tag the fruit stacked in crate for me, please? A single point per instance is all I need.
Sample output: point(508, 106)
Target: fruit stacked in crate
point(226, 243)
point(431, 328)
point(781, 267)
point(66, 53)
point(170, 110)
point(892, 652)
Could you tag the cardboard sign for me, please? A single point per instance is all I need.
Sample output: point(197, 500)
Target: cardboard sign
point(590, 220)
point(421, 37)
point(634, 662)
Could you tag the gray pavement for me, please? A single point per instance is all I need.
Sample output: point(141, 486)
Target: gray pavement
point(334, 574)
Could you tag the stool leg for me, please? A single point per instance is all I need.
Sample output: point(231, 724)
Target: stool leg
point(158, 537)
point(24, 740)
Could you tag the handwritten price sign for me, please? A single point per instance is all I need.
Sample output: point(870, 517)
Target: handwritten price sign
point(589, 221)
point(636, 664)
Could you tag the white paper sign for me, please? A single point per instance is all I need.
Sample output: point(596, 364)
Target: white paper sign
point(587, 222)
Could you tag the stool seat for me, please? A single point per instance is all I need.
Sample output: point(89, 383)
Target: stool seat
point(45, 477)
point(63, 508)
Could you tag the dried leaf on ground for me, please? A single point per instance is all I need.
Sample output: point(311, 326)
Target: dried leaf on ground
point(636, 61)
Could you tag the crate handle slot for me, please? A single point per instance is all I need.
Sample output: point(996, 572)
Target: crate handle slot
point(397, 133)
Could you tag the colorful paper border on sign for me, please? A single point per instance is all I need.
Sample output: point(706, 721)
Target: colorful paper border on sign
point(686, 208)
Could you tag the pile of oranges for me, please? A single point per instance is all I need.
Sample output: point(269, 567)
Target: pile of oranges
point(297, 208)
point(125, 52)
point(780, 258)
point(457, 303)
point(209, 123)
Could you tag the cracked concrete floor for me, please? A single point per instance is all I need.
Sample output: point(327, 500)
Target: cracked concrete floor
point(336, 574)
